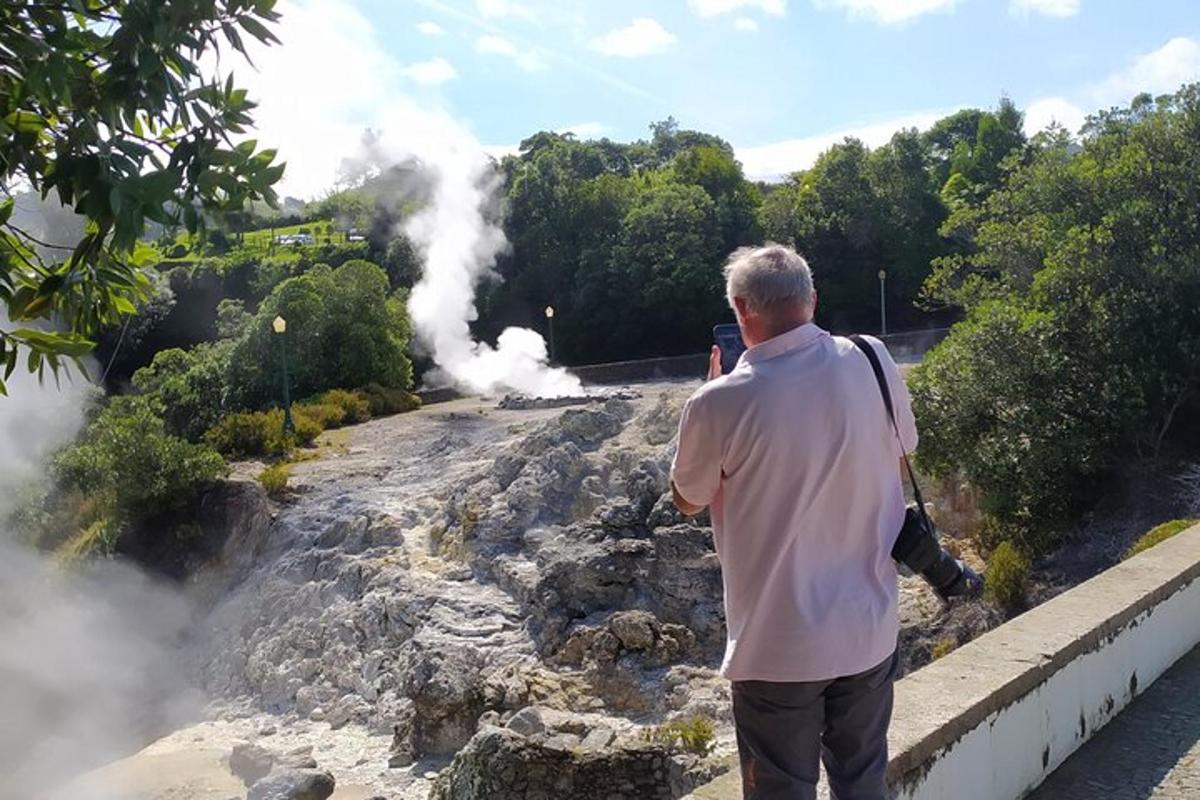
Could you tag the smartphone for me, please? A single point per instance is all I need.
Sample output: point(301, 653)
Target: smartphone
point(728, 337)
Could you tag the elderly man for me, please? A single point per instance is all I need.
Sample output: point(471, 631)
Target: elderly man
point(796, 459)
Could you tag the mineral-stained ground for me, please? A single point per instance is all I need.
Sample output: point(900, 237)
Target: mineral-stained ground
point(507, 582)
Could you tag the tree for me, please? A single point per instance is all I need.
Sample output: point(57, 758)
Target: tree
point(1081, 348)
point(111, 106)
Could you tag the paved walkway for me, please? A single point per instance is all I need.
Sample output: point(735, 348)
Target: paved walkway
point(1150, 751)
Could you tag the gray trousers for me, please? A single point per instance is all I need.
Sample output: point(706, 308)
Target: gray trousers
point(784, 728)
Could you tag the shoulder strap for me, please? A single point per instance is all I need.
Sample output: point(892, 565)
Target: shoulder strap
point(873, 357)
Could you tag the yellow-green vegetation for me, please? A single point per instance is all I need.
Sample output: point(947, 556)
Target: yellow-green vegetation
point(1159, 534)
point(275, 478)
point(1007, 576)
point(383, 401)
point(692, 734)
point(98, 539)
point(943, 647)
point(246, 434)
point(326, 415)
point(354, 405)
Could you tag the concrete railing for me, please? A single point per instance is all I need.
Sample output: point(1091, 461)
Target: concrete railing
point(991, 720)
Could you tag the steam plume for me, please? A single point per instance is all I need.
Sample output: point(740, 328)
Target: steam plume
point(459, 242)
point(85, 671)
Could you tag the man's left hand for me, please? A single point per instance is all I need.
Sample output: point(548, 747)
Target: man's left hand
point(714, 363)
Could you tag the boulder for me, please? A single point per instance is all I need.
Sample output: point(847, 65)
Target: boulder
point(443, 681)
point(527, 722)
point(300, 784)
point(250, 763)
point(500, 764)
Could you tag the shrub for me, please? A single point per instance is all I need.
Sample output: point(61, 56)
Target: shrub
point(943, 648)
point(326, 415)
point(355, 404)
point(239, 435)
point(188, 387)
point(245, 434)
point(98, 539)
point(1159, 534)
point(275, 479)
point(128, 460)
point(693, 735)
point(383, 401)
point(1007, 573)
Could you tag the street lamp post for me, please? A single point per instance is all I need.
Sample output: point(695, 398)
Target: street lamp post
point(280, 327)
point(550, 326)
point(882, 303)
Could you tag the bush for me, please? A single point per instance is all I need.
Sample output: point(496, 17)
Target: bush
point(355, 404)
point(383, 401)
point(693, 735)
point(246, 434)
point(275, 479)
point(1007, 574)
point(1159, 534)
point(943, 648)
point(326, 415)
point(98, 539)
point(188, 387)
point(128, 460)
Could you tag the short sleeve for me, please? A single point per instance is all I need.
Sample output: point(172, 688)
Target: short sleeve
point(696, 470)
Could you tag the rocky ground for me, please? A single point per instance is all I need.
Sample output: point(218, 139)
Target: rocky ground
point(502, 580)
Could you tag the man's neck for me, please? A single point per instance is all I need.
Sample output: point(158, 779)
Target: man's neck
point(779, 329)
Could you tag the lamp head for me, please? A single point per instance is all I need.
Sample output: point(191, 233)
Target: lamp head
point(280, 324)
point(549, 312)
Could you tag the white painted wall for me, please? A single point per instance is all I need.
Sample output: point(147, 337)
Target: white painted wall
point(1001, 758)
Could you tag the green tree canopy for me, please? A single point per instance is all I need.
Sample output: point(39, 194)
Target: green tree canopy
point(111, 107)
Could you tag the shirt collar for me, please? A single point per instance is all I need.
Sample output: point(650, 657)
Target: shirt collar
point(795, 339)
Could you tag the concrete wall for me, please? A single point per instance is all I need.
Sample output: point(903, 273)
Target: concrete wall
point(991, 720)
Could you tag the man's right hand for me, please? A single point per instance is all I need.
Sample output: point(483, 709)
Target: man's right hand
point(714, 363)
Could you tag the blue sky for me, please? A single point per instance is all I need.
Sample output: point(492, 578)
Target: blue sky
point(780, 79)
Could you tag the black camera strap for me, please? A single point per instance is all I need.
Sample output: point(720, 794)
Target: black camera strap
point(869, 351)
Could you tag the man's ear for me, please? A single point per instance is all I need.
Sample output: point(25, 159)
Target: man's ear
point(743, 310)
point(813, 307)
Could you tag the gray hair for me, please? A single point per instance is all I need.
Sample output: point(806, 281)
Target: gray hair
point(766, 276)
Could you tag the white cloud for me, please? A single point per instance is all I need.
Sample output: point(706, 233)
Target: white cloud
point(644, 36)
point(712, 8)
point(527, 60)
point(431, 72)
point(490, 9)
point(745, 24)
point(778, 159)
point(1159, 72)
point(1051, 8)
point(316, 128)
point(430, 28)
point(891, 12)
point(1041, 113)
point(585, 130)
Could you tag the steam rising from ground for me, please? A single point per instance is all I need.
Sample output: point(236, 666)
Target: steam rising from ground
point(85, 670)
point(458, 237)
point(369, 89)
point(459, 246)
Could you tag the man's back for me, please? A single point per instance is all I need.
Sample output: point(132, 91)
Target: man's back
point(797, 459)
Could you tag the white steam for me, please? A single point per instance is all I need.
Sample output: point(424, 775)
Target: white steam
point(459, 245)
point(367, 88)
point(86, 670)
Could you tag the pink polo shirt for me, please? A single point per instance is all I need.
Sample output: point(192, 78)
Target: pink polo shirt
point(796, 458)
